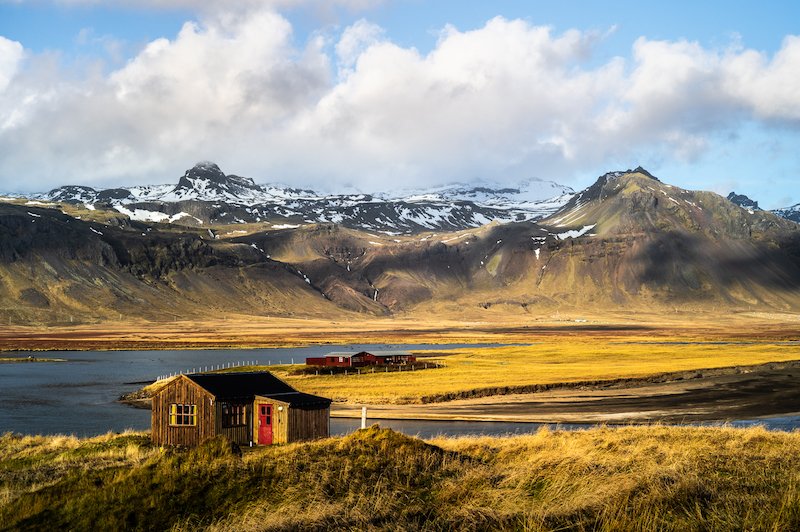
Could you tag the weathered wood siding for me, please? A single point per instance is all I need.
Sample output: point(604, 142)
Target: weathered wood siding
point(291, 424)
point(280, 419)
point(241, 434)
point(182, 391)
point(308, 424)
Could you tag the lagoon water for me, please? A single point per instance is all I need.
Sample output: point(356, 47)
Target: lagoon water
point(80, 396)
point(433, 428)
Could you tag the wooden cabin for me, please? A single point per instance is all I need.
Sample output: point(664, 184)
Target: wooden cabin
point(254, 408)
point(362, 359)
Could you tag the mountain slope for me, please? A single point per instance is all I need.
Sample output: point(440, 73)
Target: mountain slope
point(657, 241)
point(628, 242)
point(634, 201)
point(56, 268)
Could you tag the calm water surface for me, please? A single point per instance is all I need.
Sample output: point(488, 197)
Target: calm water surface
point(80, 396)
point(431, 429)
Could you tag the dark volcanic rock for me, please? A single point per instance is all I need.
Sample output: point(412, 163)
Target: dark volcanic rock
point(33, 297)
point(206, 177)
point(743, 201)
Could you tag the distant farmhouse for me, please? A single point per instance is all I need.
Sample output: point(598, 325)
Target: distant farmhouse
point(362, 359)
point(248, 408)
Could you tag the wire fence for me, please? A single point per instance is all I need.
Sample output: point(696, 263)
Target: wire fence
point(309, 370)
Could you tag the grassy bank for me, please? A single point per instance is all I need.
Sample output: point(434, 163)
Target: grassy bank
point(602, 479)
point(482, 372)
point(28, 359)
point(478, 371)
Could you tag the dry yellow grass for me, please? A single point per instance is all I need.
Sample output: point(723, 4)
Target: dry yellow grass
point(631, 478)
point(437, 324)
point(552, 361)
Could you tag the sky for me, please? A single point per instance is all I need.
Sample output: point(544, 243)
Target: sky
point(384, 95)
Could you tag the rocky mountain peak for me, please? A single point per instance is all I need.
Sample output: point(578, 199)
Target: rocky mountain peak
point(640, 170)
point(202, 171)
point(743, 201)
point(206, 178)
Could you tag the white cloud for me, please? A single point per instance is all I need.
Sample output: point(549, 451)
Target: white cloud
point(504, 101)
point(11, 53)
point(770, 88)
point(355, 40)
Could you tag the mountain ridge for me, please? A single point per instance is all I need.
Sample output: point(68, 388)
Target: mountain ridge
point(629, 241)
point(205, 195)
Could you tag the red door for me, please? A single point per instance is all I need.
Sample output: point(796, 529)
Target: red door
point(264, 424)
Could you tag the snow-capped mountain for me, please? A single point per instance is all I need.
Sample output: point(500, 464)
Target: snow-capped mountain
point(496, 194)
point(790, 213)
point(204, 194)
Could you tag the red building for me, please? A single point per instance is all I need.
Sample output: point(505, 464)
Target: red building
point(361, 359)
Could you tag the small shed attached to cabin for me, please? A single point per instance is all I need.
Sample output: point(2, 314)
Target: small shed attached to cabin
point(253, 407)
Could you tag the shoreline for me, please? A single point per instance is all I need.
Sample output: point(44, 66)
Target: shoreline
point(704, 395)
point(714, 395)
point(28, 360)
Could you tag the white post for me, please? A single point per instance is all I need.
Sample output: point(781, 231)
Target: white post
point(363, 417)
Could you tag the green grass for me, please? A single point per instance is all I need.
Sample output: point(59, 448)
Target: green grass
point(633, 478)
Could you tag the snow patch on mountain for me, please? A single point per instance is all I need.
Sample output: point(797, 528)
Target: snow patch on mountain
point(573, 233)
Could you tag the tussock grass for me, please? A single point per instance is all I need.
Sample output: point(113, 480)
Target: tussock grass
point(631, 478)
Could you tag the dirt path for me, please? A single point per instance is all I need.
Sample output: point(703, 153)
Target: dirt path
point(706, 395)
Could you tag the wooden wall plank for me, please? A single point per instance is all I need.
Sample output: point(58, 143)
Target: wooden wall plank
point(182, 391)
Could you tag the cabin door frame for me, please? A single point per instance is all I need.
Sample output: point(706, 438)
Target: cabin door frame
point(266, 423)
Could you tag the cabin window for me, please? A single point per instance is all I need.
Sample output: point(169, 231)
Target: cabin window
point(182, 415)
point(233, 415)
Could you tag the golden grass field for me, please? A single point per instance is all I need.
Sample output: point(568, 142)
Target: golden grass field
point(547, 362)
point(431, 326)
point(482, 372)
point(631, 478)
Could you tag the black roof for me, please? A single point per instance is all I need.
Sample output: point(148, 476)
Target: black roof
point(246, 385)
